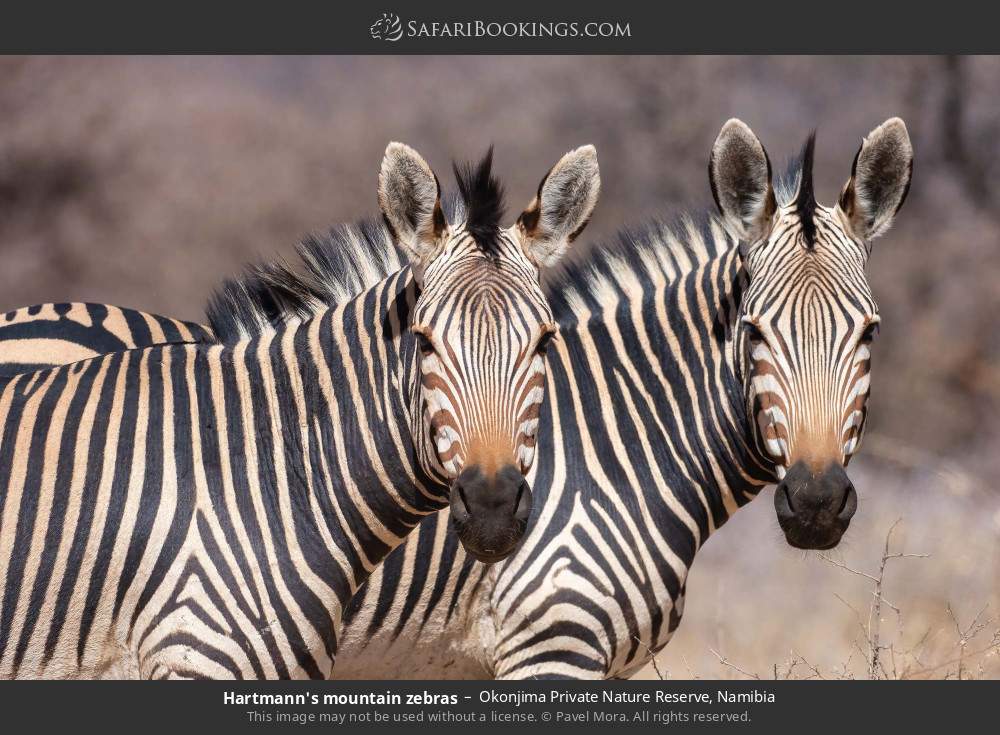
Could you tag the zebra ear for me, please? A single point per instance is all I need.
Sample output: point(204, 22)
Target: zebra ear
point(410, 198)
point(562, 207)
point(880, 180)
point(740, 174)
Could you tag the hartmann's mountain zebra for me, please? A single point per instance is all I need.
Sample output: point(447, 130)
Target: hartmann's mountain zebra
point(692, 369)
point(599, 582)
point(208, 510)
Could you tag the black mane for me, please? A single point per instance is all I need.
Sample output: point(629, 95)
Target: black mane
point(665, 249)
point(335, 266)
point(483, 199)
point(343, 262)
point(805, 202)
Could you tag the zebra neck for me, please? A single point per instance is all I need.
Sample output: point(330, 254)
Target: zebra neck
point(726, 468)
point(340, 386)
point(675, 377)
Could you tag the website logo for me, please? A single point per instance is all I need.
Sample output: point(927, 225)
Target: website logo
point(390, 28)
point(387, 28)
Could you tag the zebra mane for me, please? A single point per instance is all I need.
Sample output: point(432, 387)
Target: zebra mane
point(799, 169)
point(805, 195)
point(661, 250)
point(347, 259)
point(655, 251)
point(334, 267)
point(481, 197)
point(341, 263)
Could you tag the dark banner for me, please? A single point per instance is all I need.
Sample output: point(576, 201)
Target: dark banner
point(686, 706)
point(442, 27)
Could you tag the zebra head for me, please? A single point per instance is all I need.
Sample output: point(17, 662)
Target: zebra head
point(481, 325)
point(807, 314)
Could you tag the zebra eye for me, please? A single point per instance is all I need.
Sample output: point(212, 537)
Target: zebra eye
point(871, 332)
point(544, 341)
point(424, 344)
point(753, 332)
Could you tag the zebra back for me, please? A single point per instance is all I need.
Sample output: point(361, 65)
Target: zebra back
point(46, 335)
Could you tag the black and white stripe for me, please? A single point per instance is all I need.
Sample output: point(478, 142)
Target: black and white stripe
point(207, 510)
point(38, 337)
point(650, 436)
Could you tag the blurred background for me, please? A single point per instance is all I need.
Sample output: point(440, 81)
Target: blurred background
point(144, 181)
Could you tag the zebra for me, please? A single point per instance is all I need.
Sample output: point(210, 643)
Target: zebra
point(584, 597)
point(207, 509)
point(47, 335)
point(698, 361)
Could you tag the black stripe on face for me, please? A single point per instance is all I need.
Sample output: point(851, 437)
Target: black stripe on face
point(812, 301)
point(495, 309)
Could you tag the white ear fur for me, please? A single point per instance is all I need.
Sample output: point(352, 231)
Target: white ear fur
point(410, 198)
point(565, 201)
point(740, 174)
point(880, 180)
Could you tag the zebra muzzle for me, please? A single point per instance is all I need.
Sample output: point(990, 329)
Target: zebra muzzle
point(815, 508)
point(489, 512)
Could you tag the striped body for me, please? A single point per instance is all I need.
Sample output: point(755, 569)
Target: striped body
point(207, 510)
point(660, 398)
point(696, 364)
point(198, 510)
point(38, 337)
point(644, 450)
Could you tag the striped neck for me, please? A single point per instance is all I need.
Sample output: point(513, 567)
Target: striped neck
point(661, 310)
point(701, 384)
point(336, 388)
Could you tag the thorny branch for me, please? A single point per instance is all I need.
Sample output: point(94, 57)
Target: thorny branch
point(889, 660)
point(726, 662)
point(872, 631)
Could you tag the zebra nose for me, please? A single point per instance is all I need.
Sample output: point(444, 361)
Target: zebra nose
point(814, 509)
point(490, 512)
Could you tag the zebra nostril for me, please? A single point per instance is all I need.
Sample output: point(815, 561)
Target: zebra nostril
point(788, 498)
point(520, 494)
point(465, 501)
point(843, 502)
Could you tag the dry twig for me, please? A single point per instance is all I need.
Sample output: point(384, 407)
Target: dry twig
point(726, 662)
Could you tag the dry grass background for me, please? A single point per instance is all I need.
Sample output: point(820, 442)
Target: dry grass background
point(143, 181)
point(756, 607)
